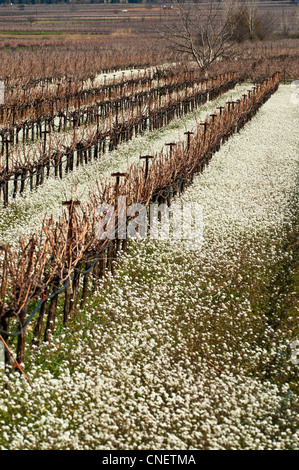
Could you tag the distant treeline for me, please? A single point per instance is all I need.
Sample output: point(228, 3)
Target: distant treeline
point(38, 2)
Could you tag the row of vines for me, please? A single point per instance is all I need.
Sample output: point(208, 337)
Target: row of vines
point(53, 146)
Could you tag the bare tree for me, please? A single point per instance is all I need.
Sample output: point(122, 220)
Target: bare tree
point(202, 31)
point(249, 22)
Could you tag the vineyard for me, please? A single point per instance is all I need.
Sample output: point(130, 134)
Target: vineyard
point(72, 146)
point(47, 260)
point(102, 120)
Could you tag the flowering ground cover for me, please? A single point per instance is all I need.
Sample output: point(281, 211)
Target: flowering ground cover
point(184, 347)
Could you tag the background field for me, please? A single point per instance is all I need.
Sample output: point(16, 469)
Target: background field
point(111, 19)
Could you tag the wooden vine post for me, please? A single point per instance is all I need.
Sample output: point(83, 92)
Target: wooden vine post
point(7, 142)
point(205, 124)
point(71, 206)
point(171, 145)
point(45, 132)
point(188, 134)
point(5, 186)
point(114, 244)
point(146, 158)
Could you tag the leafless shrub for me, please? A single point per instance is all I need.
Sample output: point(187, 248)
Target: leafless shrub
point(204, 33)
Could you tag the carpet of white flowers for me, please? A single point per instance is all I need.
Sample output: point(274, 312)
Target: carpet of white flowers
point(184, 348)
